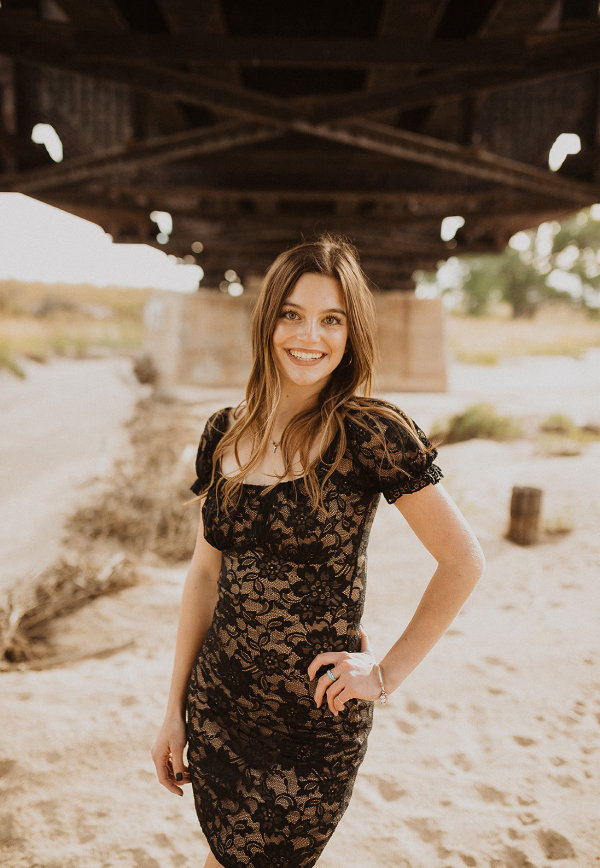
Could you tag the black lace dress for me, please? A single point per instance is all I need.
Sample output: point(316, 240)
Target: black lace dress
point(271, 773)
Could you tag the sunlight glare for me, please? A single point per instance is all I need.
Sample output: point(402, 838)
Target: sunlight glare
point(39, 242)
point(45, 134)
point(450, 226)
point(520, 241)
point(565, 144)
point(235, 288)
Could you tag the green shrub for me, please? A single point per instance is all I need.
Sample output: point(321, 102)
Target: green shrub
point(558, 423)
point(9, 362)
point(479, 420)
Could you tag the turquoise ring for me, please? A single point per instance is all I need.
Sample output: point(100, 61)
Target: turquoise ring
point(333, 677)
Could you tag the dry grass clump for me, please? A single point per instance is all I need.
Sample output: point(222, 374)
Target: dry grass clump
point(39, 320)
point(27, 613)
point(138, 512)
point(142, 507)
point(561, 437)
point(145, 370)
point(554, 330)
point(560, 524)
point(479, 420)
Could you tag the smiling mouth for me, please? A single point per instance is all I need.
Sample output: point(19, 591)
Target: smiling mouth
point(306, 356)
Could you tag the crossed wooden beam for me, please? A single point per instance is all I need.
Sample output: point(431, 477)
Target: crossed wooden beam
point(123, 58)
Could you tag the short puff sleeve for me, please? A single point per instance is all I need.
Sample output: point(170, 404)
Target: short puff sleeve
point(407, 469)
point(213, 429)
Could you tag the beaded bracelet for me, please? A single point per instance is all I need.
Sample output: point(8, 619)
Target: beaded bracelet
point(383, 697)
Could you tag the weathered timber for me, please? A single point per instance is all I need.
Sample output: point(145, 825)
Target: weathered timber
point(163, 149)
point(525, 508)
point(210, 48)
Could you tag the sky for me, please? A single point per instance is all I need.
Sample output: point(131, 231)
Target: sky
point(41, 243)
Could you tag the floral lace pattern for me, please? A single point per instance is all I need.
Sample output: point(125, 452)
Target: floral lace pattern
point(272, 774)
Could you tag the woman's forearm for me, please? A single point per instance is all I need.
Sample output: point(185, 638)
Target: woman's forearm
point(445, 594)
point(198, 602)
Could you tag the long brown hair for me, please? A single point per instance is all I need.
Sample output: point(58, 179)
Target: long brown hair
point(347, 391)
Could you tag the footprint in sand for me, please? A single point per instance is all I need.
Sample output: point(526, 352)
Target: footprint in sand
point(142, 859)
point(389, 789)
point(6, 766)
point(514, 858)
point(555, 845)
point(524, 740)
point(528, 818)
point(426, 829)
point(460, 760)
point(470, 861)
point(491, 794)
point(566, 781)
point(431, 712)
point(413, 707)
point(526, 800)
point(497, 661)
point(405, 726)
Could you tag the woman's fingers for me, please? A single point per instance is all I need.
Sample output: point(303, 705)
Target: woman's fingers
point(164, 771)
point(167, 755)
point(324, 682)
point(340, 700)
point(323, 659)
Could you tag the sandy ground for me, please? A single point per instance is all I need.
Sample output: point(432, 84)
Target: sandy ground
point(487, 756)
point(60, 431)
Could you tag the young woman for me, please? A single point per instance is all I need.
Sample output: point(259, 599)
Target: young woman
point(274, 679)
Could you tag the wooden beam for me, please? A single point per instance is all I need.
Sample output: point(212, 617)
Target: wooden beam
point(361, 134)
point(162, 149)
point(405, 204)
point(261, 51)
point(208, 17)
point(455, 158)
point(104, 15)
point(548, 57)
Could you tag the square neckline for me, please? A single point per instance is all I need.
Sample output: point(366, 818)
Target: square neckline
point(225, 413)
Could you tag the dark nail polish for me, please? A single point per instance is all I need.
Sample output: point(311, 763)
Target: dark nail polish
point(178, 776)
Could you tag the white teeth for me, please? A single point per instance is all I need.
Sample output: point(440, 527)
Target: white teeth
point(306, 356)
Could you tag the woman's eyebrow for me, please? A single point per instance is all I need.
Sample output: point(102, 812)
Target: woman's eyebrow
point(329, 309)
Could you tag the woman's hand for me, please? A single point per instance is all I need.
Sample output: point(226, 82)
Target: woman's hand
point(167, 753)
point(356, 676)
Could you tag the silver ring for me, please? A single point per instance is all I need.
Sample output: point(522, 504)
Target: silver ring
point(333, 677)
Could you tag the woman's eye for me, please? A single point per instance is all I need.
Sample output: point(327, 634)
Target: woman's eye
point(333, 320)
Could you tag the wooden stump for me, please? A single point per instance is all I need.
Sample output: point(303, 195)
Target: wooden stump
point(525, 508)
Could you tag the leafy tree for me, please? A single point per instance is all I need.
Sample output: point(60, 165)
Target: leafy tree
point(554, 261)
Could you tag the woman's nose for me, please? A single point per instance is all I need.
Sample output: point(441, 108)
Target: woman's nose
point(309, 328)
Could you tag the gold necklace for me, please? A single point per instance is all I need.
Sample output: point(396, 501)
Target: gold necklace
point(275, 445)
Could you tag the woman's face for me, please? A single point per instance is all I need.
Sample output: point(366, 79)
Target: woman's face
point(312, 322)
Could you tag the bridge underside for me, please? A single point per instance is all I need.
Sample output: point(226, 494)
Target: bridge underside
point(258, 124)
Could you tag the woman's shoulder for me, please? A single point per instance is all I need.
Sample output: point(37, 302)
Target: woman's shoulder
point(375, 415)
point(392, 453)
point(219, 420)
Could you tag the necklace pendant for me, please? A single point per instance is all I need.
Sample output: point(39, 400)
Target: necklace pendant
point(275, 445)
